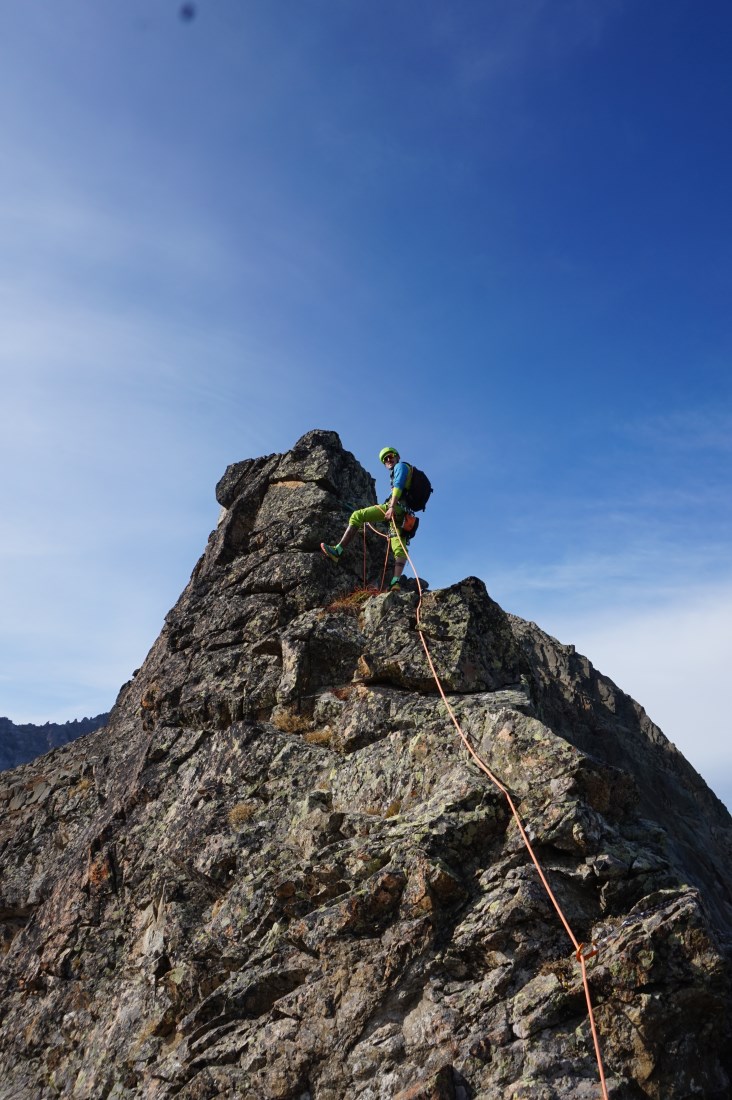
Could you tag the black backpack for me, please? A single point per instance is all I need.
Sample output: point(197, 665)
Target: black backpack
point(419, 491)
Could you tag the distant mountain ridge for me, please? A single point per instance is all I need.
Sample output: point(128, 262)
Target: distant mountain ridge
point(24, 742)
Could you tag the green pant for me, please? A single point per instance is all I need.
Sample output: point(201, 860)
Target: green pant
point(375, 514)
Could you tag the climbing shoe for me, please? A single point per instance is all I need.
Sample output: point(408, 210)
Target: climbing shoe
point(395, 586)
point(332, 552)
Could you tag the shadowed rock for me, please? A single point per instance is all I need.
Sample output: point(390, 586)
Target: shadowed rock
point(277, 874)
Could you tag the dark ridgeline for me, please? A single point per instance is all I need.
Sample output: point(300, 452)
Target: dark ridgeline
point(24, 741)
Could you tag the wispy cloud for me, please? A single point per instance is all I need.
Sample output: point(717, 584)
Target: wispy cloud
point(512, 36)
point(674, 660)
point(695, 429)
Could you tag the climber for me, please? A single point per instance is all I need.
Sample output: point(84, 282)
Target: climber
point(392, 511)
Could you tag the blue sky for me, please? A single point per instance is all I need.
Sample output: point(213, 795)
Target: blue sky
point(497, 235)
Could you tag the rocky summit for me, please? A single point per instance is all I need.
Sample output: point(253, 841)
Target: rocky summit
point(278, 873)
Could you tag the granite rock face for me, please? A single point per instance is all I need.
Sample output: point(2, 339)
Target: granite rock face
point(276, 873)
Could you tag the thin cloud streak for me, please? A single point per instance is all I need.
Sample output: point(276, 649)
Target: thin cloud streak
point(645, 570)
point(674, 661)
point(691, 430)
point(521, 35)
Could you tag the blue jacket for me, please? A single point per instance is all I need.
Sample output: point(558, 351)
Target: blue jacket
point(400, 477)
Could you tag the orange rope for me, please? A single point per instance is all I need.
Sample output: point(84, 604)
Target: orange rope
point(386, 562)
point(386, 559)
point(582, 953)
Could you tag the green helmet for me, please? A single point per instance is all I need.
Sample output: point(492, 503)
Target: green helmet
point(388, 451)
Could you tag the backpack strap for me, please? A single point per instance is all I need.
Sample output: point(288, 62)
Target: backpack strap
point(407, 487)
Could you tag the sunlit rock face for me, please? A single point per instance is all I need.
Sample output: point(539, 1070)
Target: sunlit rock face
point(277, 873)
